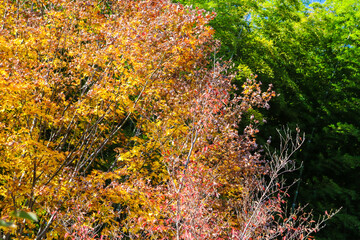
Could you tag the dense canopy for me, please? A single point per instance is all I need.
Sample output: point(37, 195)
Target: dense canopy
point(121, 120)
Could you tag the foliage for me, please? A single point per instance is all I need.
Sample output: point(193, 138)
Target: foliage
point(116, 124)
point(311, 55)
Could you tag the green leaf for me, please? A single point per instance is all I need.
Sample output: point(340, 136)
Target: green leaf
point(26, 215)
point(6, 224)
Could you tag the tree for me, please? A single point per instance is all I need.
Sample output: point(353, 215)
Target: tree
point(310, 53)
point(117, 124)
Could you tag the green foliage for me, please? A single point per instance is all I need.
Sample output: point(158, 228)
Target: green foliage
point(25, 215)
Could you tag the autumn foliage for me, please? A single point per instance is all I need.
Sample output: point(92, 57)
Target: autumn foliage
point(116, 123)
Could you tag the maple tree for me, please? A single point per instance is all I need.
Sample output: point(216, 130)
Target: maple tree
point(115, 123)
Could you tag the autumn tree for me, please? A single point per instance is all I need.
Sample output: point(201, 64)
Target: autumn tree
point(116, 123)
